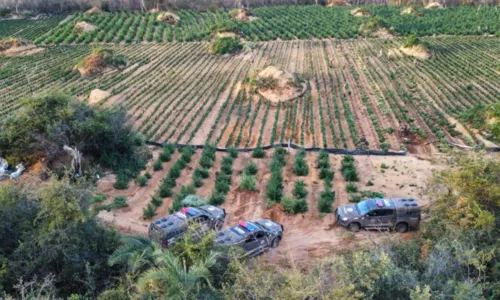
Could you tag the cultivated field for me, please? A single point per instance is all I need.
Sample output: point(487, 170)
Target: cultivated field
point(179, 93)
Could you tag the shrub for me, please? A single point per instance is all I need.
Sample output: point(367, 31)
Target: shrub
point(251, 169)
point(197, 180)
point(223, 45)
point(369, 183)
point(233, 152)
point(193, 201)
point(384, 146)
point(222, 186)
point(247, 182)
point(141, 180)
point(175, 171)
point(98, 199)
point(121, 183)
point(350, 175)
point(355, 198)
point(258, 153)
point(157, 202)
point(119, 202)
point(326, 174)
point(148, 175)
point(158, 165)
point(206, 162)
point(327, 197)
point(300, 165)
point(165, 155)
point(299, 189)
point(187, 154)
point(203, 173)
point(351, 188)
point(217, 198)
point(323, 160)
point(294, 206)
point(149, 211)
point(275, 187)
point(384, 166)
point(410, 41)
point(226, 169)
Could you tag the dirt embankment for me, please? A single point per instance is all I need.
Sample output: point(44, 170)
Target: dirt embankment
point(277, 85)
point(18, 47)
point(308, 236)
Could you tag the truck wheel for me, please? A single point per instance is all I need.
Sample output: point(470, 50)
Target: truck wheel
point(218, 225)
point(354, 227)
point(402, 227)
point(275, 243)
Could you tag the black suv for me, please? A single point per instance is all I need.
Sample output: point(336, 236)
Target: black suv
point(253, 238)
point(169, 229)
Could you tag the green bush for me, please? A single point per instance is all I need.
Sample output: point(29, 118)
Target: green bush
point(197, 180)
point(141, 180)
point(119, 202)
point(350, 175)
point(222, 186)
point(327, 197)
point(98, 199)
point(148, 175)
point(206, 162)
point(157, 202)
point(300, 165)
point(226, 169)
point(247, 182)
point(351, 188)
point(148, 212)
point(326, 174)
point(275, 187)
point(251, 169)
point(193, 201)
point(203, 173)
point(258, 153)
point(299, 189)
point(223, 45)
point(121, 183)
point(323, 161)
point(410, 41)
point(233, 152)
point(217, 198)
point(158, 165)
point(294, 206)
point(165, 155)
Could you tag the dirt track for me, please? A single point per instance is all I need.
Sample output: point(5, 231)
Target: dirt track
point(307, 236)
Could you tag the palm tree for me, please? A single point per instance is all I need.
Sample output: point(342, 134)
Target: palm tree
point(136, 252)
point(174, 279)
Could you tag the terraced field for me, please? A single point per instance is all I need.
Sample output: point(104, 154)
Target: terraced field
point(178, 93)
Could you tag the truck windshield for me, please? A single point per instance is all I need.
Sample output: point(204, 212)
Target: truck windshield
point(363, 207)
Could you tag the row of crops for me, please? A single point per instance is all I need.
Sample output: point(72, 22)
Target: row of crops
point(178, 93)
point(283, 22)
point(28, 29)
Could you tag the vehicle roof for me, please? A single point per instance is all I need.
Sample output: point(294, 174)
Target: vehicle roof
point(177, 219)
point(395, 203)
point(379, 203)
point(239, 232)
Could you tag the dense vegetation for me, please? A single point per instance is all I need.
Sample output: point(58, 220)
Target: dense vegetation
point(485, 118)
point(283, 22)
point(50, 121)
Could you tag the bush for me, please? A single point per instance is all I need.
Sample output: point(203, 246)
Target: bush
point(323, 160)
point(351, 188)
point(223, 45)
point(233, 152)
point(217, 198)
point(175, 171)
point(141, 180)
point(157, 202)
point(275, 187)
point(300, 165)
point(410, 41)
point(258, 153)
point(197, 180)
point(226, 169)
point(121, 183)
point(327, 197)
point(98, 199)
point(165, 155)
point(119, 202)
point(222, 186)
point(247, 182)
point(350, 175)
point(326, 174)
point(193, 201)
point(148, 212)
point(187, 154)
point(203, 173)
point(158, 165)
point(299, 189)
point(293, 206)
point(251, 169)
point(349, 169)
point(148, 175)
point(206, 162)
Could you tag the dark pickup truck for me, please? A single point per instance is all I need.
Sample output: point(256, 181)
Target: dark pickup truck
point(401, 214)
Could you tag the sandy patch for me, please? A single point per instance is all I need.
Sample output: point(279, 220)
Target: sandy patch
point(361, 12)
point(83, 26)
point(338, 3)
point(286, 85)
point(433, 5)
point(168, 17)
point(23, 51)
point(420, 52)
point(97, 95)
point(410, 11)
